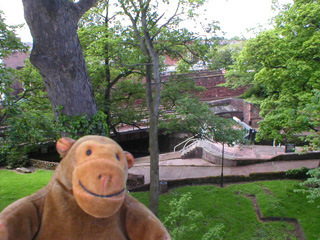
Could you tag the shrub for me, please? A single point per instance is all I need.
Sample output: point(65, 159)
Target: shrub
point(181, 221)
point(298, 173)
point(312, 184)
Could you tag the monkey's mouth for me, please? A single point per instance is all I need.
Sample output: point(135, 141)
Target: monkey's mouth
point(98, 195)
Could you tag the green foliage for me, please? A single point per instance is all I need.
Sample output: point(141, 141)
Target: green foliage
point(311, 115)
point(26, 131)
point(312, 185)
point(9, 41)
point(78, 126)
point(115, 66)
point(128, 103)
point(30, 120)
point(297, 173)
point(224, 56)
point(177, 88)
point(181, 221)
point(195, 117)
point(113, 53)
point(28, 116)
point(26, 112)
point(284, 64)
point(214, 233)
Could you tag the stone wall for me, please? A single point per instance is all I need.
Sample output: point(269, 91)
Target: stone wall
point(43, 164)
point(210, 157)
point(251, 114)
point(247, 112)
point(211, 80)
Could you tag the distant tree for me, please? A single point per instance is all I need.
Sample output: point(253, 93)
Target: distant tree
point(223, 56)
point(283, 63)
point(176, 88)
point(9, 43)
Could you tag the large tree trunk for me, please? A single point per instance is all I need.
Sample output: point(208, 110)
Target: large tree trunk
point(57, 53)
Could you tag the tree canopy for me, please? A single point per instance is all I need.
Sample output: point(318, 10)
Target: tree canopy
point(283, 65)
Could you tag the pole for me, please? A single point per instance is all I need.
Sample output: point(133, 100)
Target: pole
point(222, 158)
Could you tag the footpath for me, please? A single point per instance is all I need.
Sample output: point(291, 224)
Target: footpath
point(172, 167)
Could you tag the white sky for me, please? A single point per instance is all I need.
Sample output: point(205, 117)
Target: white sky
point(235, 16)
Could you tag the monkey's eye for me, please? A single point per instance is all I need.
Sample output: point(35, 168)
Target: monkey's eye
point(88, 152)
point(117, 156)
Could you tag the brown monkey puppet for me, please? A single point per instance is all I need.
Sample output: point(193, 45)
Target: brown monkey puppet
point(85, 199)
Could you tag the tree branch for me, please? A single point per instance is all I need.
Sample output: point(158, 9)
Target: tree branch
point(84, 6)
point(117, 78)
point(25, 93)
point(169, 20)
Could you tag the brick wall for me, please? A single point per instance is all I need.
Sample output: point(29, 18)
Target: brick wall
point(247, 112)
point(251, 114)
point(211, 80)
point(16, 60)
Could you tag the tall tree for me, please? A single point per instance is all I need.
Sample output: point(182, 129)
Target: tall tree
point(157, 36)
point(58, 56)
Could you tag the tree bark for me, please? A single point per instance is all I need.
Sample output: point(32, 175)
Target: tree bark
point(153, 143)
point(153, 95)
point(153, 106)
point(58, 56)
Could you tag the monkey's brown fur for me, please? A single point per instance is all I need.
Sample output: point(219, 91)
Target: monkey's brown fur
point(85, 199)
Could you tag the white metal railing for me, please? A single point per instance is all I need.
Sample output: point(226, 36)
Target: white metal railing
point(205, 144)
point(185, 141)
point(190, 147)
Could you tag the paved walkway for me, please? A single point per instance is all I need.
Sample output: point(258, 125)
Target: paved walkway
point(172, 167)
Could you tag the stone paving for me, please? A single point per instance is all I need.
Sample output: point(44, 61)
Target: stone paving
point(172, 167)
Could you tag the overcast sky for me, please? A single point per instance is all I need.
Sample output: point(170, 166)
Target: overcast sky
point(235, 16)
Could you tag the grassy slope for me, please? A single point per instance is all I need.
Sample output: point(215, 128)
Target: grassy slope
point(14, 186)
point(227, 205)
point(230, 207)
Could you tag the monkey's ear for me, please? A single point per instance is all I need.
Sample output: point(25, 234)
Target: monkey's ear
point(130, 159)
point(63, 145)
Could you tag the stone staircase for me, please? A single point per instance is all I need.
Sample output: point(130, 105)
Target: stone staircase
point(202, 148)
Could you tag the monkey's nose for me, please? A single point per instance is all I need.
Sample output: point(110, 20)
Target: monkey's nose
point(104, 180)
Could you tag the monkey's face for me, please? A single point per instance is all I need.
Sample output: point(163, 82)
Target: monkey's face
point(99, 177)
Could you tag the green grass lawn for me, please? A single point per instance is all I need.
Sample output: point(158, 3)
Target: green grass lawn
point(227, 206)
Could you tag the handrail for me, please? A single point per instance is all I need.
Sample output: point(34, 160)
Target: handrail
point(174, 149)
point(185, 148)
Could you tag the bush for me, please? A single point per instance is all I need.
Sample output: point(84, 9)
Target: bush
point(312, 184)
point(298, 173)
point(181, 221)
